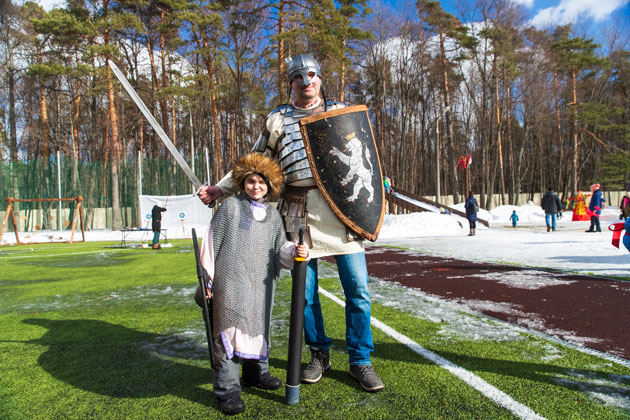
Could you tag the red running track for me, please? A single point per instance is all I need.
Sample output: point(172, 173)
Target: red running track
point(588, 311)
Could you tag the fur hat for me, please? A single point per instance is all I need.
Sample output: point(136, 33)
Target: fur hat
point(266, 167)
point(595, 187)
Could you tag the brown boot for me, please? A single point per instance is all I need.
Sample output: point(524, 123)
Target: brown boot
point(548, 229)
point(156, 246)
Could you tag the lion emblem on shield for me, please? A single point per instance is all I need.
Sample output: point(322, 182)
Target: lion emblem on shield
point(354, 157)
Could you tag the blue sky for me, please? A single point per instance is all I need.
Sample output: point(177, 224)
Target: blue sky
point(542, 13)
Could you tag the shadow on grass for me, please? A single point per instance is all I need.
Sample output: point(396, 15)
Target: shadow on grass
point(112, 360)
point(583, 380)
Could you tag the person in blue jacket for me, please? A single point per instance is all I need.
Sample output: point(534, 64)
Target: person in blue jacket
point(514, 219)
point(595, 208)
point(550, 203)
point(626, 237)
point(472, 208)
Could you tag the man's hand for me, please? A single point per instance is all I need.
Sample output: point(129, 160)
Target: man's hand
point(209, 193)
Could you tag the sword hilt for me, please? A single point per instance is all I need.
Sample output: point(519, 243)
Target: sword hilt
point(211, 204)
point(300, 242)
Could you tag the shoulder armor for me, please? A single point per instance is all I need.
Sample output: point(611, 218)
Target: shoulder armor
point(262, 142)
point(331, 102)
point(281, 109)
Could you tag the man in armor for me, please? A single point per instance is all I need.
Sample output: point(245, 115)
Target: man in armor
point(303, 205)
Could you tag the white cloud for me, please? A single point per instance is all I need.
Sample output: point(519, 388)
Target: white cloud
point(526, 3)
point(47, 5)
point(51, 4)
point(569, 11)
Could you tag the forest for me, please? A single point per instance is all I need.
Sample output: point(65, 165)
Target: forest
point(526, 107)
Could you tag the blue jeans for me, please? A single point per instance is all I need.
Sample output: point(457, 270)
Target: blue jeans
point(551, 223)
point(595, 225)
point(354, 280)
point(156, 237)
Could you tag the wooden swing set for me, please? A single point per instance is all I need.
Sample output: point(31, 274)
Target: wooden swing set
point(10, 201)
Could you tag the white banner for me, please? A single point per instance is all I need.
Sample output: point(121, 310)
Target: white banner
point(183, 212)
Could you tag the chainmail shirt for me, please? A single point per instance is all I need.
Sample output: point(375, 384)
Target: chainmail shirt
point(247, 261)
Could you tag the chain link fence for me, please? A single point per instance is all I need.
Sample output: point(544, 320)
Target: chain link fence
point(93, 182)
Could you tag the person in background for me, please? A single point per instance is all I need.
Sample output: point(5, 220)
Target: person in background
point(626, 236)
point(387, 184)
point(624, 206)
point(472, 208)
point(550, 203)
point(595, 208)
point(243, 252)
point(156, 224)
point(514, 219)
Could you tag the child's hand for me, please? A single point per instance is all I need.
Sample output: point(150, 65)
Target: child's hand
point(301, 250)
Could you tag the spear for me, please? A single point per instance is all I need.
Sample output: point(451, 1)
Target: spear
point(207, 303)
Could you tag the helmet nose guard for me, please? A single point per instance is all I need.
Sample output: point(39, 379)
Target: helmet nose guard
point(302, 65)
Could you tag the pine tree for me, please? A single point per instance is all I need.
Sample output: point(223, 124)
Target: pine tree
point(575, 56)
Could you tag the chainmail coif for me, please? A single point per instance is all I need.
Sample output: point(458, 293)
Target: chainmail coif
point(246, 253)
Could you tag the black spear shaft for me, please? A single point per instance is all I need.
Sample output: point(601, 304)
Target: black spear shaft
point(207, 303)
point(296, 325)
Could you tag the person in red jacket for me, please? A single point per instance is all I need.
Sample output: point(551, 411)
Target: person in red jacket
point(625, 206)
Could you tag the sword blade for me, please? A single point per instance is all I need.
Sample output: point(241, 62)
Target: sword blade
point(158, 129)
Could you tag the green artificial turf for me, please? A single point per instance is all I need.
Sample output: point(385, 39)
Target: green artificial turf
point(94, 331)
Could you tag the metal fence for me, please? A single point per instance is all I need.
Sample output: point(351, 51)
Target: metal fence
point(64, 178)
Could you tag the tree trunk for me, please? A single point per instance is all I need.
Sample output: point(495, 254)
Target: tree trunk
point(281, 70)
point(115, 156)
point(508, 141)
point(342, 75)
point(574, 169)
point(499, 128)
point(218, 169)
point(450, 150)
point(163, 100)
point(558, 126)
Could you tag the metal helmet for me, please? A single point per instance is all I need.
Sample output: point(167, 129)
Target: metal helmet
point(302, 65)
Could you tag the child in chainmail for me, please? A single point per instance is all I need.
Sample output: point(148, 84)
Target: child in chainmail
point(243, 252)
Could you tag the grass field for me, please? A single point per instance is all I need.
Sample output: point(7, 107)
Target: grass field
point(93, 331)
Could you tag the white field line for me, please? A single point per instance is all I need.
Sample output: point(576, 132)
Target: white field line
point(470, 378)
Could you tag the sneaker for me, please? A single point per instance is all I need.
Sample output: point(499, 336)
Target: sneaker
point(232, 406)
point(265, 381)
point(366, 376)
point(320, 363)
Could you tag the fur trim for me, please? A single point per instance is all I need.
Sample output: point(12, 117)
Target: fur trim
point(261, 165)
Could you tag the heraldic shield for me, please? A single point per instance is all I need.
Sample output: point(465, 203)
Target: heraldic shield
point(346, 167)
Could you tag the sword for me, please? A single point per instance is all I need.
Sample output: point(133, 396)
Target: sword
point(158, 129)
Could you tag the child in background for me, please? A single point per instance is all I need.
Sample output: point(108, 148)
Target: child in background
point(243, 252)
point(514, 219)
